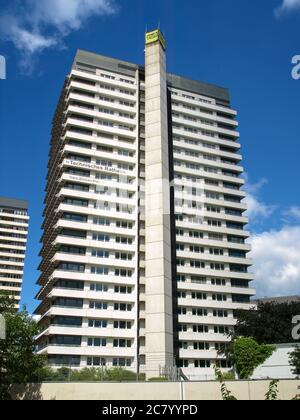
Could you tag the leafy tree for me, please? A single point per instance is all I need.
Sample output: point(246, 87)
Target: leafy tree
point(18, 363)
point(271, 323)
point(246, 355)
point(295, 361)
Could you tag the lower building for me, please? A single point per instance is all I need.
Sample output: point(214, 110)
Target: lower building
point(278, 365)
point(13, 238)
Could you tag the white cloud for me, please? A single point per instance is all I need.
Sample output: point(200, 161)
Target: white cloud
point(257, 210)
point(288, 6)
point(277, 262)
point(293, 212)
point(42, 24)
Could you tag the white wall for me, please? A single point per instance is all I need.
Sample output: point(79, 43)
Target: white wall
point(277, 366)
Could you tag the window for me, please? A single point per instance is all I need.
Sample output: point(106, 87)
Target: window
point(221, 330)
point(196, 249)
point(202, 364)
point(219, 298)
point(215, 266)
point(182, 311)
point(69, 284)
point(216, 251)
point(101, 222)
point(214, 223)
point(77, 187)
point(76, 202)
point(199, 312)
point(121, 362)
point(199, 296)
point(67, 321)
point(220, 314)
point(202, 329)
point(72, 250)
point(197, 264)
point(218, 282)
point(123, 289)
point(98, 287)
point(72, 233)
point(100, 237)
point(124, 240)
point(98, 305)
point(97, 323)
point(72, 267)
point(124, 225)
point(122, 325)
point(183, 363)
point(201, 346)
point(123, 272)
point(123, 256)
point(100, 253)
point(122, 343)
point(75, 217)
point(65, 340)
point(195, 234)
point(102, 271)
point(68, 302)
point(237, 254)
point(96, 361)
point(198, 280)
point(124, 307)
point(182, 328)
point(97, 342)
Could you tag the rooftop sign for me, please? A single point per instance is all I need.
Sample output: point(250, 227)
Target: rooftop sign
point(155, 36)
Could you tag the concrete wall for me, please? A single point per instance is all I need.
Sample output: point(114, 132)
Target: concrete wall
point(242, 390)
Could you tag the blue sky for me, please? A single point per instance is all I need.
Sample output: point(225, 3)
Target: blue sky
point(245, 45)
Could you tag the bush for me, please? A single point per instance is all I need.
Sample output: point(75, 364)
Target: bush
point(65, 374)
point(159, 379)
point(229, 376)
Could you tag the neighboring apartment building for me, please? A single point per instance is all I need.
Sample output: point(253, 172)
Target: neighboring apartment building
point(135, 273)
point(13, 238)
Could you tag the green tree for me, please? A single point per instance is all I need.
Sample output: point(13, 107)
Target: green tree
point(271, 323)
point(246, 355)
point(18, 362)
point(295, 361)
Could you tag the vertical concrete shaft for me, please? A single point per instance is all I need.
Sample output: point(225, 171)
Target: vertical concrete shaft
point(159, 317)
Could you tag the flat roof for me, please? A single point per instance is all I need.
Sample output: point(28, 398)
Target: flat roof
point(95, 60)
point(278, 299)
point(13, 203)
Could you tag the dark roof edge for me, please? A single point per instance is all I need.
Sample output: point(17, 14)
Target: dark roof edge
point(104, 62)
point(127, 68)
point(202, 88)
point(13, 203)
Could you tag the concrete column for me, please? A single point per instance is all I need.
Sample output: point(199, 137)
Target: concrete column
point(159, 317)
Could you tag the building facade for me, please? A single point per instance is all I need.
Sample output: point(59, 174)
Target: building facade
point(14, 222)
point(144, 259)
